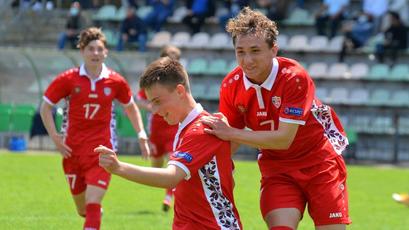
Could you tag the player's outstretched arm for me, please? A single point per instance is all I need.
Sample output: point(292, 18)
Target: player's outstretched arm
point(277, 139)
point(48, 121)
point(157, 177)
point(135, 117)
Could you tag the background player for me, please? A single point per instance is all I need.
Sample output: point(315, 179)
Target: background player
point(161, 134)
point(200, 166)
point(89, 92)
point(301, 139)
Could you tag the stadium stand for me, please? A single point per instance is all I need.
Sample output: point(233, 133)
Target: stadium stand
point(372, 98)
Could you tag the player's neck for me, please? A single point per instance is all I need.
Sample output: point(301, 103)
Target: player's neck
point(93, 71)
point(190, 105)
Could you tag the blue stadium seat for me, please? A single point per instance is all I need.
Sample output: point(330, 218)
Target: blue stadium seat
point(378, 72)
point(299, 17)
point(199, 41)
point(399, 72)
point(160, 39)
point(181, 39)
point(359, 96)
point(106, 12)
point(380, 97)
point(218, 67)
point(318, 70)
point(198, 66)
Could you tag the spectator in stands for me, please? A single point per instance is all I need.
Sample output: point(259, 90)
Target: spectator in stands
point(129, 3)
point(269, 102)
point(332, 12)
point(376, 9)
point(395, 38)
point(356, 33)
point(401, 7)
point(132, 30)
point(75, 23)
point(197, 12)
point(300, 4)
point(276, 10)
point(233, 8)
point(162, 9)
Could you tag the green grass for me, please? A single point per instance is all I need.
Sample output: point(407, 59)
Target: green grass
point(34, 195)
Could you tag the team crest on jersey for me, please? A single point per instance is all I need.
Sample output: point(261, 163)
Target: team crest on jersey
point(276, 101)
point(77, 89)
point(183, 155)
point(242, 109)
point(107, 91)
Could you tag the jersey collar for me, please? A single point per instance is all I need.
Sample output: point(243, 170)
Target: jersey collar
point(191, 116)
point(104, 72)
point(268, 83)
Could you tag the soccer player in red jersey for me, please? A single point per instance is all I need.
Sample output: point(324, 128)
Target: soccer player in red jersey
point(299, 138)
point(161, 134)
point(89, 92)
point(200, 167)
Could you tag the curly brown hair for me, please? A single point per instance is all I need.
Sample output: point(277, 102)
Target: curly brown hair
point(164, 71)
point(90, 34)
point(250, 21)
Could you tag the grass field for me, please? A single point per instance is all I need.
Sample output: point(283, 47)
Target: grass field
point(34, 195)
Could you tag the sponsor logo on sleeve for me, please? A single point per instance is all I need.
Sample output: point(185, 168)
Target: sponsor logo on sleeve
point(183, 155)
point(293, 111)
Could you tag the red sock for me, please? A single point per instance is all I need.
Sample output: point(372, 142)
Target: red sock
point(93, 217)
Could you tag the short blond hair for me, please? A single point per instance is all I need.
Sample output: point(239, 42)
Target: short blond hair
point(250, 21)
point(90, 34)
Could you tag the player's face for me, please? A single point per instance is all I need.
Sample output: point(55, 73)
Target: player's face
point(254, 56)
point(166, 102)
point(94, 53)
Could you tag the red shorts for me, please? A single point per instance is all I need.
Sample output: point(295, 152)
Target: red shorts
point(163, 140)
point(322, 186)
point(83, 170)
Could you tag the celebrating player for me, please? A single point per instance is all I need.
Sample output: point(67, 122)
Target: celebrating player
point(301, 139)
point(161, 134)
point(200, 166)
point(89, 92)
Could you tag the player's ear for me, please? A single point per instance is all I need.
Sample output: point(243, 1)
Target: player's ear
point(180, 89)
point(274, 49)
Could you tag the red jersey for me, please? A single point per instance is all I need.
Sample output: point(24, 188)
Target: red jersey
point(160, 131)
point(89, 117)
point(287, 95)
point(204, 200)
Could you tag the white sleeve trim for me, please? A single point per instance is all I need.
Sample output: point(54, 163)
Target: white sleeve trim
point(182, 166)
point(286, 120)
point(129, 103)
point(48, 101)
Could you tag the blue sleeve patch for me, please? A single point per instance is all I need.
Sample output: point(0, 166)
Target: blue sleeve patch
point(293, 111)
point(186, 156)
